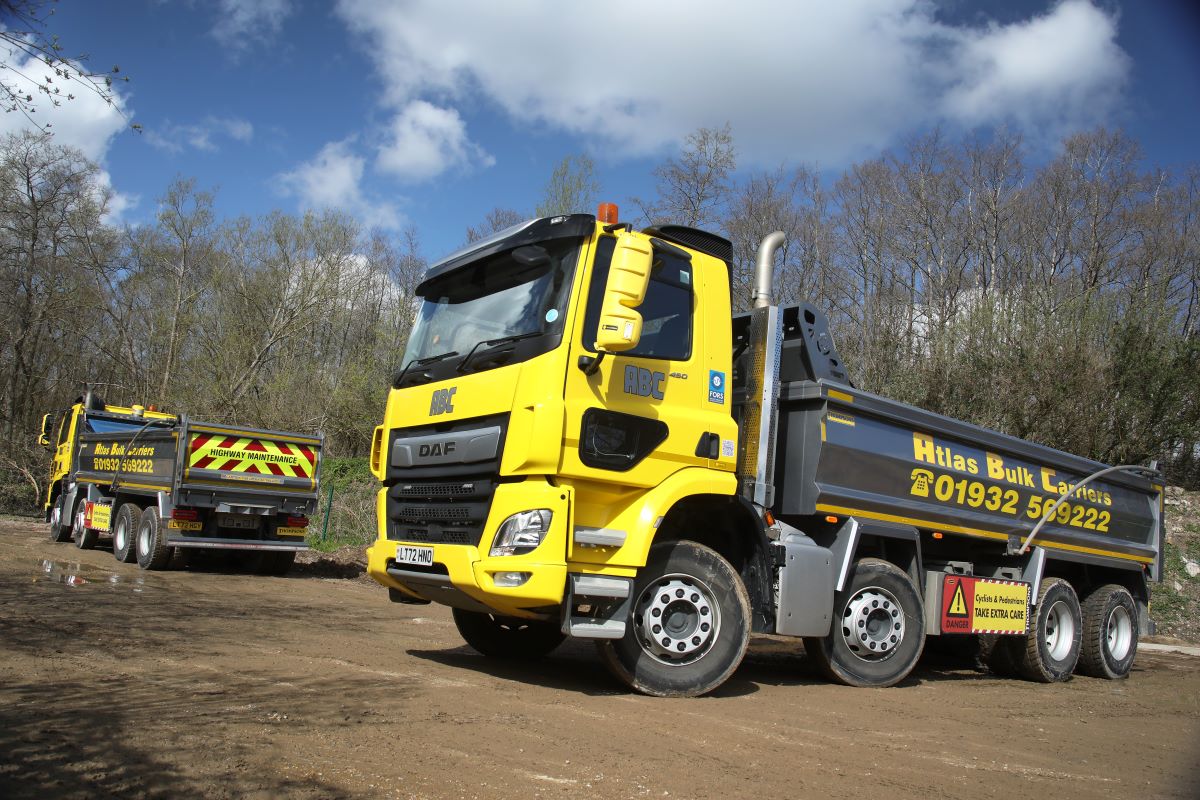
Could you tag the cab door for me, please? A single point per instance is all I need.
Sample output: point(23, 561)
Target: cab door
point(640, 416)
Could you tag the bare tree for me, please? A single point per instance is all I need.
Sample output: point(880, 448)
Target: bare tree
point(572, 188)
point(496, 220)
point(692, 189)
point(35, 70)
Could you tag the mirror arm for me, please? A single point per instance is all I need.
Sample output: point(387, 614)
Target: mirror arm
point(616, 226)
point(590, 364)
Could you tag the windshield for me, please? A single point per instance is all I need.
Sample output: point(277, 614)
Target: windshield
point(105, 425)
point(521, 292)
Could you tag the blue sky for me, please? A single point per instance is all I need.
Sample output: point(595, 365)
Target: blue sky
point(430, 113)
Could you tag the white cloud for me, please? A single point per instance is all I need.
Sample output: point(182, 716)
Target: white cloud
point(803, 81)
point(333, 180)
point(119, 203)
point(86, 122)
point(425, 141)
point(1061, 67)
point(240, 23)
point(176, 138)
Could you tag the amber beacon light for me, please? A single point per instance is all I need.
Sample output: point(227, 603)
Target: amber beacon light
point(607, 213)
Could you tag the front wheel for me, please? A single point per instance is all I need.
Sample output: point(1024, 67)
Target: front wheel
point(689, 627)
point(151, 543)
point(878, 629)
point(507, 637)
point(1109, 633)
point(60, 530)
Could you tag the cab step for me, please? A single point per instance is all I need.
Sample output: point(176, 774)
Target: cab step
point(596, 606)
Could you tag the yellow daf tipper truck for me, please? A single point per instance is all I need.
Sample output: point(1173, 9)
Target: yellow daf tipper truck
point(153, 483)
point(583, 441)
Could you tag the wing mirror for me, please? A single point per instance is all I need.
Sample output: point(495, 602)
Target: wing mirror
point(620, 326)
point(44, 437)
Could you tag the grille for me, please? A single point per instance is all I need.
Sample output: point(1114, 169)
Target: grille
point(432, 513)
point(442, 503)
point(431, 534)
point(432, 490)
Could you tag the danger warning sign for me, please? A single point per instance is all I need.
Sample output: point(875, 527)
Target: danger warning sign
point(984, 605)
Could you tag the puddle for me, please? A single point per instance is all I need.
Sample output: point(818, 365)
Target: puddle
point(72, 573)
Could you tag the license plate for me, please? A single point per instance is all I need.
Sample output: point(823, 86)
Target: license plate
point(185, 525)
point(421, 556)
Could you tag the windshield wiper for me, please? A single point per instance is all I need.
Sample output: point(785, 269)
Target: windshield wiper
point(420, 362)
point(492, 344)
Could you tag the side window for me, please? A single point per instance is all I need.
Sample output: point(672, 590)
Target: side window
point(666, 311)
point(64, 426)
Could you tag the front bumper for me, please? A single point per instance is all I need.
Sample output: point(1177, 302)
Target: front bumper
point(463, 575)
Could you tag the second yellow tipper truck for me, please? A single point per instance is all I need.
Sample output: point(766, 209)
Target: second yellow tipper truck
point(583, 441)
point(155, 484)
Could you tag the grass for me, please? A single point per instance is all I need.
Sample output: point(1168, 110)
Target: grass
point(1177, 610)
point(352, 520)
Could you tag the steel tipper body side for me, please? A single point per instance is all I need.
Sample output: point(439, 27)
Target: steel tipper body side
point(850, 453)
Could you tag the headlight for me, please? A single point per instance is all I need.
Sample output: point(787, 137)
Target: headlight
point(521, 533)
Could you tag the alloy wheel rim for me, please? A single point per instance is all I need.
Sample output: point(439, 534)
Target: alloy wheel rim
point(1060, 630)
point(873, 624)
point(1119, 633)
point(677, 619)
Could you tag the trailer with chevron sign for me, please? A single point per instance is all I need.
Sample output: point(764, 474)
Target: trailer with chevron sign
point(157, 484)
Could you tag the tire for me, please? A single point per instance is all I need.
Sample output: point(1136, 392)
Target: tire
point(276, 562)
point(124, 531)
point(507, 637)
point(85, 538)
point(58, 531)
point(689, 624)
point(1109, 633)
point(1003, 655)
point(1051, 647)
point(152, 551)
point(878, 628)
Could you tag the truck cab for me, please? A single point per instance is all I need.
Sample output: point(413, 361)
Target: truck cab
point(60, 434)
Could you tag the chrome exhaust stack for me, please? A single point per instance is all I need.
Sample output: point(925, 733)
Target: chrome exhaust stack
point(764, 268)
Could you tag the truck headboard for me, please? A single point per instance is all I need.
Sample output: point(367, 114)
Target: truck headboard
point(808, 349)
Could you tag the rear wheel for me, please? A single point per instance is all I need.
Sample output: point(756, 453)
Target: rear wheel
point(1051, 647)
point(878, 628)
point(1003, 654)
point(507, 637)
point(689, 627)
point(85, 538)
point(151, 545)
point(1109, 633)
point(125, 529)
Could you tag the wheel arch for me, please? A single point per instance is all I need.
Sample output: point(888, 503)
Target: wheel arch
point(730, 526)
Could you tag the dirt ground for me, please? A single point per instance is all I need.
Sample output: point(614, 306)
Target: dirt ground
point(181, 684)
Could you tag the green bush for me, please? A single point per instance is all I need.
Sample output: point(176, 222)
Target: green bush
point(352, 508)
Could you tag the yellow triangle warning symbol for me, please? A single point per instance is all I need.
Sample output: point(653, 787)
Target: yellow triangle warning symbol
point(958, 603)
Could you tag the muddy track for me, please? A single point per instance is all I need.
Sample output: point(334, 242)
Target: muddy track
point(217, 684)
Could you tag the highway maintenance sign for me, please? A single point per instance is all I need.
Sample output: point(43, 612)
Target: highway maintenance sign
point(984, 605)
